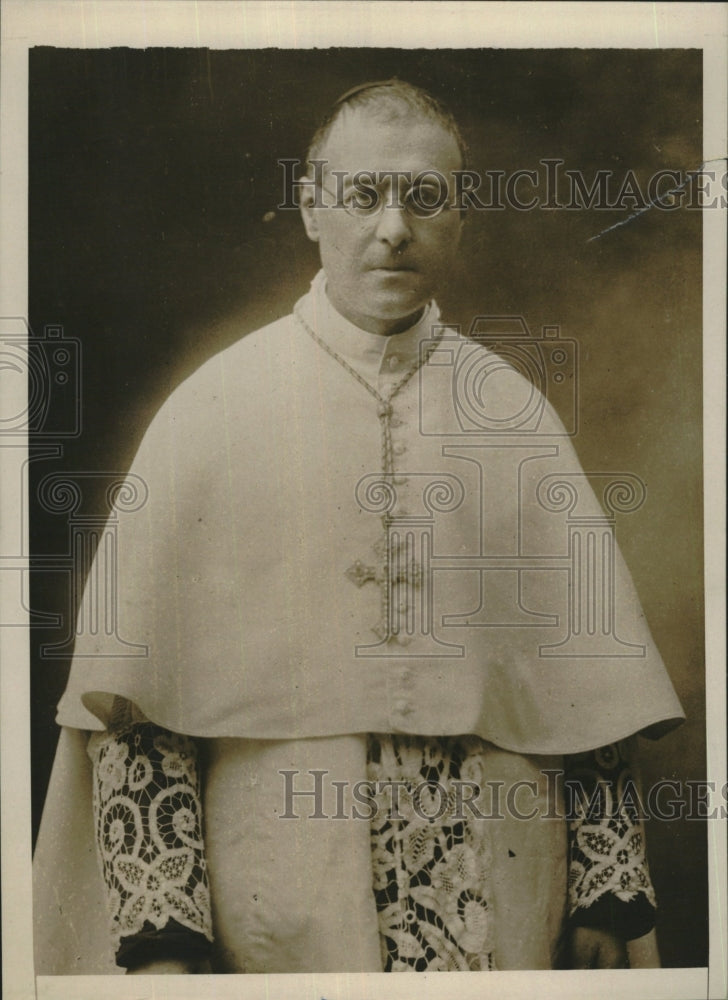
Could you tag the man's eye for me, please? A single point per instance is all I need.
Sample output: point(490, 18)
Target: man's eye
point(362, 200)
point(426, 198)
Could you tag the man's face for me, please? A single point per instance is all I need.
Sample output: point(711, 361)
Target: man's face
point(383, 268)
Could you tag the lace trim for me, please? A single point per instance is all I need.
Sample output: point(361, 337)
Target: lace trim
point(607, 839)
point(148, 829)
point(431, 877)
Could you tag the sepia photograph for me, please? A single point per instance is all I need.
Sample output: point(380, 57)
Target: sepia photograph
point(362, 496)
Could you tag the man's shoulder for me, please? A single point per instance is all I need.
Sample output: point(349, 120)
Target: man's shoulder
point(236, 386)
point(228, 377)
point(272, 337)
point(272, 334)
point(240, 361)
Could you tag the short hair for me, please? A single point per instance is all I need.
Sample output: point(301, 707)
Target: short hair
point(387, 100)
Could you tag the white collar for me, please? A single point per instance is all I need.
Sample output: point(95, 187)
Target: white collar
point(365, 351)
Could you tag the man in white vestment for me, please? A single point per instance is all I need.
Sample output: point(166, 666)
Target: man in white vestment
point(370, 651)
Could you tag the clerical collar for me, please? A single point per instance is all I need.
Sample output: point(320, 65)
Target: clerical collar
point(368, 352)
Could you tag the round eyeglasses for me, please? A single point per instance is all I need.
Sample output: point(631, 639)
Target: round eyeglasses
point(422, 200)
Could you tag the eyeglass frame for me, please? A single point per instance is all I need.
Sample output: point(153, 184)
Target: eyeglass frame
point(376, 209)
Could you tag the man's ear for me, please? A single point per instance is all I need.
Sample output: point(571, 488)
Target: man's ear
point(308, 211)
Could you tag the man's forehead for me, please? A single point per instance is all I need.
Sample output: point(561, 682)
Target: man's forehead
point(362, 140)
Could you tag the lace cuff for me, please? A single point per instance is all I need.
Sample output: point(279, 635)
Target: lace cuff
point(148, 831)
point(609, 880)
point(174, 942)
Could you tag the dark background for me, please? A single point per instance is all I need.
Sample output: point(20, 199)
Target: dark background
point(153, 177)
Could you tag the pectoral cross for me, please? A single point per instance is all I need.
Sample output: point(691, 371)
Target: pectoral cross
point(359, 574)
point(390, 570)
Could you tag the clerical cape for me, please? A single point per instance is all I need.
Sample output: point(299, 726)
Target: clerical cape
point(266, 492)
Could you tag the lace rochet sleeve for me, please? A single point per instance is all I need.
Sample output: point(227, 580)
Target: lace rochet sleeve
point(148, 822)
point(609, 879)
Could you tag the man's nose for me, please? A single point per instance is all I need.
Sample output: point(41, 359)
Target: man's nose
point(393, 226)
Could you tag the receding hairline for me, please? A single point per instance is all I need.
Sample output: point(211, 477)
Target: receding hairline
point(389, 101)
point(326, 150)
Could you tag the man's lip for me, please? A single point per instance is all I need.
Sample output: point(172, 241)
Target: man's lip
point(393, 267)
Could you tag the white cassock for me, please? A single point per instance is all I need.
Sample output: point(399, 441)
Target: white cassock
point(347, 534)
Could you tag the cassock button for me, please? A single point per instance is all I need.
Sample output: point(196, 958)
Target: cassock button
point(403, 639)
point(400, 480)
point(395, 421)
point(400, 448)
point(393, 362)
point(402, 707)
point(384, 410)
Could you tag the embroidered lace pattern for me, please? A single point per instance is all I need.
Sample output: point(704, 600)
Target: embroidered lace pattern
point(605, 830)
point(148, 829)
point(431, 876)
